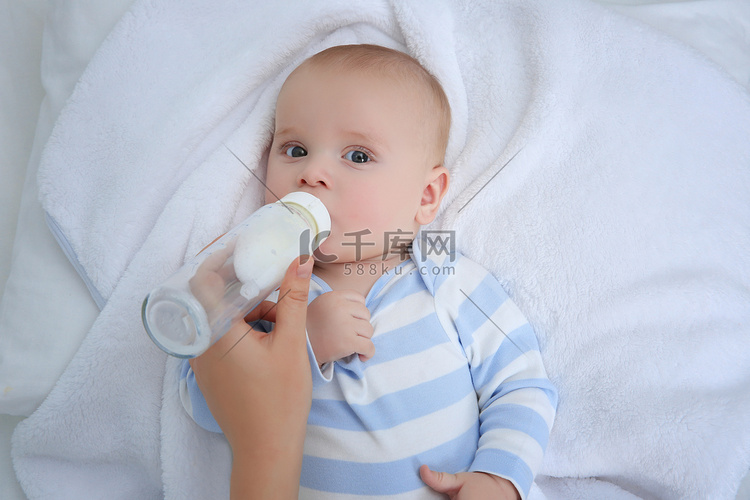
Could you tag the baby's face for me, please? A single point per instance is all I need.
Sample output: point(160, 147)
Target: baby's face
point(358, 142)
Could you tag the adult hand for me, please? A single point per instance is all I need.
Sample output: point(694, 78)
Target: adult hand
point(258, 387)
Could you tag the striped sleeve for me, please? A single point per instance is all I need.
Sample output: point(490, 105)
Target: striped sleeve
point(517, 402)
point(193, 401)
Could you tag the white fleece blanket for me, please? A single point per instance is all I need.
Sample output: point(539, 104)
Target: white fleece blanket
point(621, 227)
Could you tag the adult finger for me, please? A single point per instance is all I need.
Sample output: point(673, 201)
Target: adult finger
point(291, 309)
point(266, 310)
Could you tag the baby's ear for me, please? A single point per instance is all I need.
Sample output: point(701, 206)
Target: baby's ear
point(438, 180)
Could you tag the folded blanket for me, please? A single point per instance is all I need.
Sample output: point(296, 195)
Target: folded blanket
point(599, 170)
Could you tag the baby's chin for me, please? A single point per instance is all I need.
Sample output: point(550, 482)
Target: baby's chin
point(327, 253)
point(339, 254)
point(330, 256)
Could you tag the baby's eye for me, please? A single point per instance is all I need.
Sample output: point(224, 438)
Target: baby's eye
point(296, 151)
point(357, 156)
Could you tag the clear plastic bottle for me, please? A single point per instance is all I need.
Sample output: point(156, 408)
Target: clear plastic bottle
point(196, 306)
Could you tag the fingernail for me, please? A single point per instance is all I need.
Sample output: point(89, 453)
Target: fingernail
point(304, 270)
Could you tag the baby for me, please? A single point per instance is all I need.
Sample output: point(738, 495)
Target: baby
point(421, 362)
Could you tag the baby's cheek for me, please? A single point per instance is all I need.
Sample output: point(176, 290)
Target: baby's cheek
point(374, 211)
point(363, 212)
point(274, 190)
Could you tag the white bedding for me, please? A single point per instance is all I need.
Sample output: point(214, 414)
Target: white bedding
point(46, 308)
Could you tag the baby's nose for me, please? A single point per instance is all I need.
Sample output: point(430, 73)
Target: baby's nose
point(315, 173)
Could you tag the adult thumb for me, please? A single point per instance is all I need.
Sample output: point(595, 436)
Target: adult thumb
point(442, 482)
point(291, 310)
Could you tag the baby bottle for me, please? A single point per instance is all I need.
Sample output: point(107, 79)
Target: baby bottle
point(192, 309)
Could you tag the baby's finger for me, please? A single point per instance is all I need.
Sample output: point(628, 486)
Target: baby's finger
point(363, 315)
point(364, 328)
point(365, 348)
point(360, 311)
point(353, 296)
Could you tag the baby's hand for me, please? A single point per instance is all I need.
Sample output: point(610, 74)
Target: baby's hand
point(469, 485)
point(338, 324)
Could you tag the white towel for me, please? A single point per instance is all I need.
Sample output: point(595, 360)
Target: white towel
point(621, 227)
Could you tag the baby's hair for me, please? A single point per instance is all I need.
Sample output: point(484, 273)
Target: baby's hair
point(382, 59)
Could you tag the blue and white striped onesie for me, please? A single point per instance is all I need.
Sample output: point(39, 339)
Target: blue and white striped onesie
point(457, 383)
